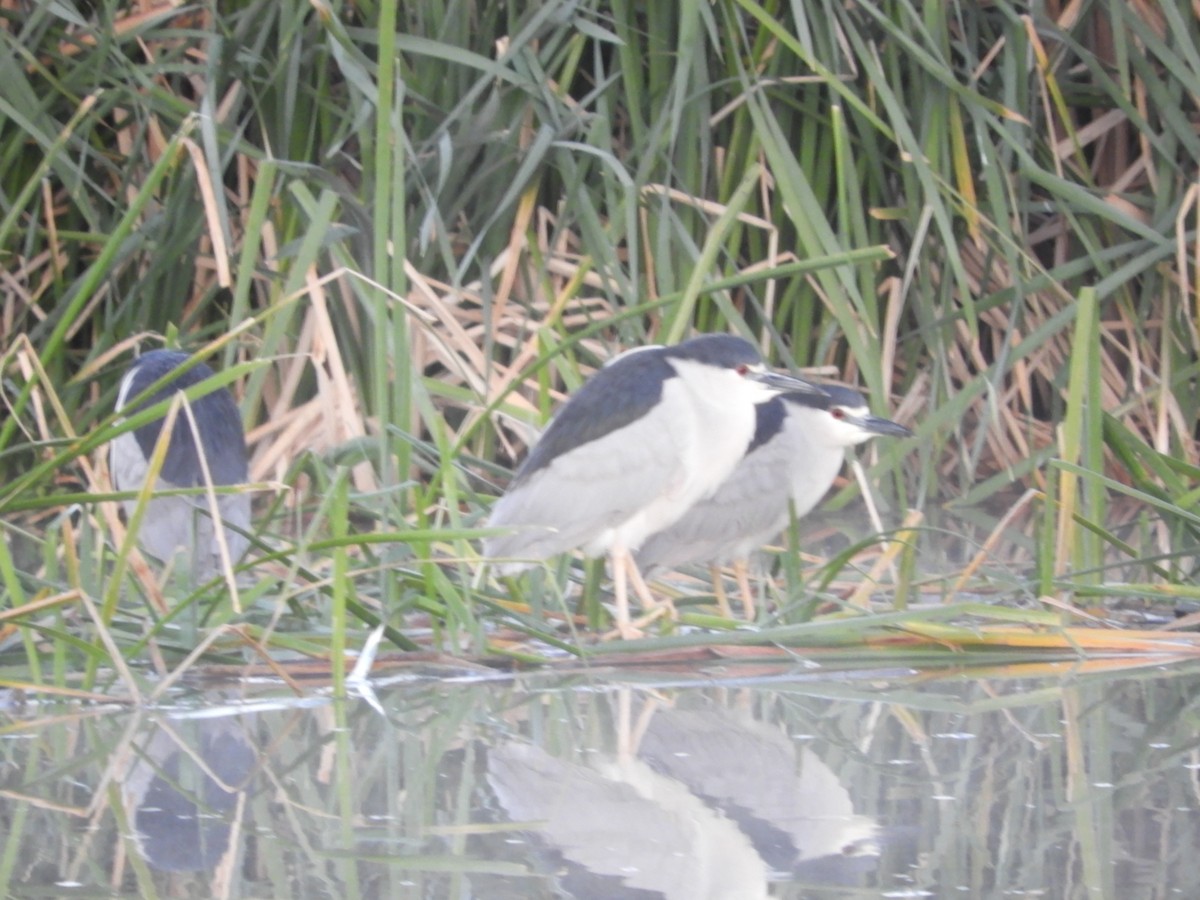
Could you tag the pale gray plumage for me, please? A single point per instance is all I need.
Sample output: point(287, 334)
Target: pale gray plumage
point(799, 446)
point(645, 438)
point(784, 797)
point(620, 821)
point(183, 525)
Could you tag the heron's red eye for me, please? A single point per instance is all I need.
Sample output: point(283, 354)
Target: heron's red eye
point(742, 369)
point(837, 412)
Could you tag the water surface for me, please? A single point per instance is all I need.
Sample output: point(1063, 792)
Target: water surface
point(1049, 781)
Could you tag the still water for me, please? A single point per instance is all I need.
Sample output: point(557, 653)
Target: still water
point(1046, 781)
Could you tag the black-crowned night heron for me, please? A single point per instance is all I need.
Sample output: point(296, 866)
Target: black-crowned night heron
point(799, 445)
point(184, 524)
point(624, 830)
point(648, 435)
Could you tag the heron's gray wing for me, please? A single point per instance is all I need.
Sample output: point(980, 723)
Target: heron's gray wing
point(182, 526)
point(616, 396)
point(235, 515)
point(749, 507)
point(574, 497)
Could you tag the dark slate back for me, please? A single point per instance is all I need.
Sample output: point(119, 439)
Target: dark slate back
point(768, 420)
point(625, 390)
point(620, 393)
point(216, 415)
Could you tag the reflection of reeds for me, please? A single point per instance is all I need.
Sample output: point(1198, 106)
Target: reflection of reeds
point(1002, 779)
point(403, 249)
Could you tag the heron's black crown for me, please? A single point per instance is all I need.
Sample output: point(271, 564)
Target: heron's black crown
point(771, 415)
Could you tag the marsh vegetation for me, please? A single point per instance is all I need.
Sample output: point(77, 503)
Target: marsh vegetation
point(402, 234)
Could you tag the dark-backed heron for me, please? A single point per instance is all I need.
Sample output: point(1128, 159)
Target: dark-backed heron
point(649, 435)
point(214, 451)
point(799, 445)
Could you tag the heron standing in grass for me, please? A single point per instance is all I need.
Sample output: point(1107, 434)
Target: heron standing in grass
point(800, 442)
point(650, 434)
point(213, 451)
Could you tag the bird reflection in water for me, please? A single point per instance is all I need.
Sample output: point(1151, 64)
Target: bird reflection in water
point(713, 805)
